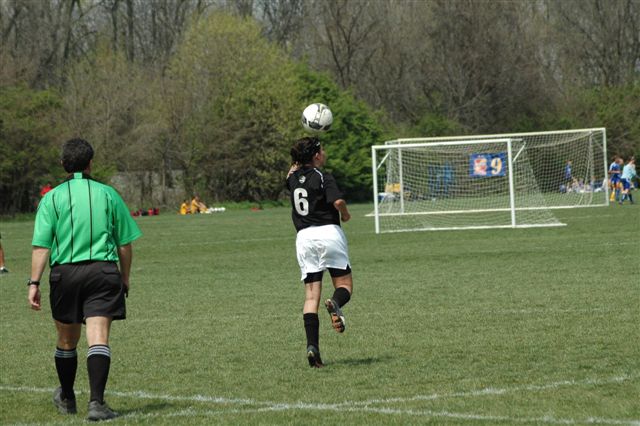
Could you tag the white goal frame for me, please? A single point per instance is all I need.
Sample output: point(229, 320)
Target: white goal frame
point(400, 143)
point(524, 135)
point(591, 143)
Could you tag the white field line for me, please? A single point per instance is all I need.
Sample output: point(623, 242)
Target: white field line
point(431, 397)
point(146, 395)
point(364, 406)
point(493, 391)
point(190, 412)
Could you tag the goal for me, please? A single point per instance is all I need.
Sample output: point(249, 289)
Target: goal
point(487, 181)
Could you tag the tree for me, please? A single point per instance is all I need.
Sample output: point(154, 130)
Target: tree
point(28, 146)
point(236, 98)
point(598, 40)
point(355, 128)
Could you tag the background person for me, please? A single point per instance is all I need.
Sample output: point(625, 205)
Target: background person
point(628, 175)
point(46, 188)
point(568, 177)
point(184, 208)
point(317, 206)
point(82, 228)
point(3, 269)
point(615, 169)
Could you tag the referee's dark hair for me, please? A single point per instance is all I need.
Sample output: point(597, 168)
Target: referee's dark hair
point(76, 155)
point(304, 149)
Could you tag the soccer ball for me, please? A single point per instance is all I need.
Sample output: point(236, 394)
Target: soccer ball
point(317, 118)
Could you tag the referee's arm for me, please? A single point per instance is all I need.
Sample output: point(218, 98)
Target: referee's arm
point(39, 259)
point(125, 253)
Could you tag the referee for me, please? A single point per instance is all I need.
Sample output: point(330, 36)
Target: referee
point(82, 228)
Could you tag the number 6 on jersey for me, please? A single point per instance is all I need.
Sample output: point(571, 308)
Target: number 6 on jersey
point(300, 201)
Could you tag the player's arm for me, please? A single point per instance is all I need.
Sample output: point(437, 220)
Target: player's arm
point(341, 206)
point(292, 169)
point(39, 258)
point(125, 253)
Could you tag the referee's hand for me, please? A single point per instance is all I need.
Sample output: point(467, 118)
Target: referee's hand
point(34, 297)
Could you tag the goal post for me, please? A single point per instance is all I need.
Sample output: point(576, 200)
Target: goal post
point(456, 184)
point(433, 179)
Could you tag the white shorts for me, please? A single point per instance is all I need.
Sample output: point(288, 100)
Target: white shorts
point(321, 247)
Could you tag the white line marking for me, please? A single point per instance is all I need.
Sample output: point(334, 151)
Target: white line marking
point(494, 391)
point(146, 395)
point(364, 406)
point(190, 412)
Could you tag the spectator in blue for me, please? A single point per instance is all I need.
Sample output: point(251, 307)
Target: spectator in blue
point(434, 184)
point(447, 178)
point(567, 172)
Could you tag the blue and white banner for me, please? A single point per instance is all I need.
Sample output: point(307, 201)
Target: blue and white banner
point(487, 165)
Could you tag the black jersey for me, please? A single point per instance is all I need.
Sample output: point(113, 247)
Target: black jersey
point(313, 193)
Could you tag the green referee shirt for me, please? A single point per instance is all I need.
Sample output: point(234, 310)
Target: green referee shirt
point(81, 220)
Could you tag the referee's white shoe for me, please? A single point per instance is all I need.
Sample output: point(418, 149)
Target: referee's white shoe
point(337, 318)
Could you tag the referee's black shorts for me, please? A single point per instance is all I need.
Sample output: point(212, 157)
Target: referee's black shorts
point(86, 289)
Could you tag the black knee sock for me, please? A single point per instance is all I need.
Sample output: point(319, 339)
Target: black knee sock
point(66, 366)
point(312, 328)
point(98, 363)
point(341, 296)
point(630, 197)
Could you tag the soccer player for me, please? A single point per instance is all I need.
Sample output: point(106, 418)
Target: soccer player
point(614, 175)
point(568, 178)
point(82, 229)
point(317, 207)
point(628, 174)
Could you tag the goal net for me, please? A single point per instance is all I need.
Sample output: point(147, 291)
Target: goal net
point(475, 182)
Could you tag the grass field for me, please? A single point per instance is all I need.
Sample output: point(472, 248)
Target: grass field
point(527, 326)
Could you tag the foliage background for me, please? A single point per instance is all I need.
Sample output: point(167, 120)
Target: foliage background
point(204, 96)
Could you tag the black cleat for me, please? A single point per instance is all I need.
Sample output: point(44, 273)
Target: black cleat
point(99, 412)
point(64, 405)
point(313, 356)
point(4, 270)
point(337, 318)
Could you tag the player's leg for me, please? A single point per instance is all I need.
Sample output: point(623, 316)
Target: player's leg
point(625, 190)
point(66, 361)
point(3, 270)
point(98, 356)
point(105, 302)
point(612, 191)
point(98, 365)
point(336, 257)
point(343, 288)
point(312, 293)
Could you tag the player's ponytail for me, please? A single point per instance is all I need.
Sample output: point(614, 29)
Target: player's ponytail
point(304, 149)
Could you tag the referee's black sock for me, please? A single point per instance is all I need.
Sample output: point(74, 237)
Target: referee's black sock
point(98, 363)
point(341, 296)
point(66, 366)
point(312, 328)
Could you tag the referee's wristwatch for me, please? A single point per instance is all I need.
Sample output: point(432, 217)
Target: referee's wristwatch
point(32, 282)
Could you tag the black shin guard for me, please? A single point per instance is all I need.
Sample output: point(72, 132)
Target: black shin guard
point(312, 328)
point(341, 296)
point(98, 363)
point(66, 365)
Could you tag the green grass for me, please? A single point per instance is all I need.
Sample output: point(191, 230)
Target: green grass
point(545, 321)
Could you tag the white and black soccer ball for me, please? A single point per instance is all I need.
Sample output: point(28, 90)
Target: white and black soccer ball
point(317, 118)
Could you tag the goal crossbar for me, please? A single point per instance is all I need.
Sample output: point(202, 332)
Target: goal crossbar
point(534, 172)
